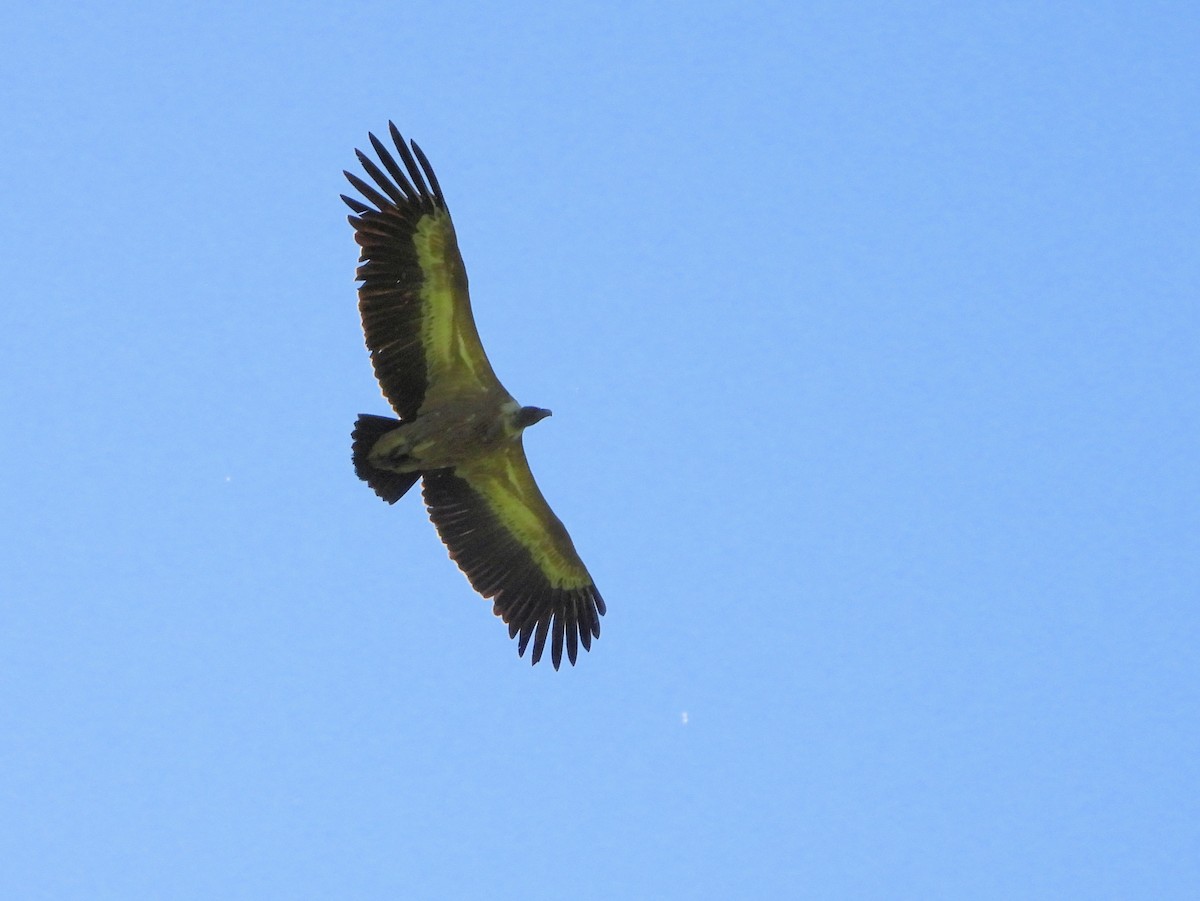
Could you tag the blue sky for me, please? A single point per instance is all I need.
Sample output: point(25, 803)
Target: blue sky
point(871, 335)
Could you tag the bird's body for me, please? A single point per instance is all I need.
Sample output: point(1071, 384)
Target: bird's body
point(458, 429)
point(448, 435)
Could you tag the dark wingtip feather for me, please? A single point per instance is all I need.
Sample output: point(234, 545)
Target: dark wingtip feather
point(433, 182)
point(526, 633)
point(406, 157)
point(385, 183)
point(389, 163)
point(585, 636)
point(381, 202)
point(357, 205)
point(599, 602)
point(539, 638)
point(556, 648)
point(397, 138)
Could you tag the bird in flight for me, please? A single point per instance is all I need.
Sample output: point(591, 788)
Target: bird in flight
point(458, 430)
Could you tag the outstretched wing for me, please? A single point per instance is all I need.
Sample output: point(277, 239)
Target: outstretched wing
point(514, 550)
point(416, 311)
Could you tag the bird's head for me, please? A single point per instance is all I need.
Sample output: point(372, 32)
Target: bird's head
point(527, 416)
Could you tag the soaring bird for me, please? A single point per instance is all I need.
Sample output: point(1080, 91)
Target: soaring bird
point(458, 430)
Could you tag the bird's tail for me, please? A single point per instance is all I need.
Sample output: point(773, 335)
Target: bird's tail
point(391, 486)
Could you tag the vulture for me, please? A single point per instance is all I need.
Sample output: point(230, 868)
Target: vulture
point(456, 428)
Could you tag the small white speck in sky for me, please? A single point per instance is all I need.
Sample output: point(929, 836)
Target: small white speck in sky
point(683, 718)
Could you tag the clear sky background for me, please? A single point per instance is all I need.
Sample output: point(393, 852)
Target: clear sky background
point(871, 333)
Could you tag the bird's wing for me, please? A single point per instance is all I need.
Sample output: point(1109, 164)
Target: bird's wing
point(514, 550)
point(416, 311)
